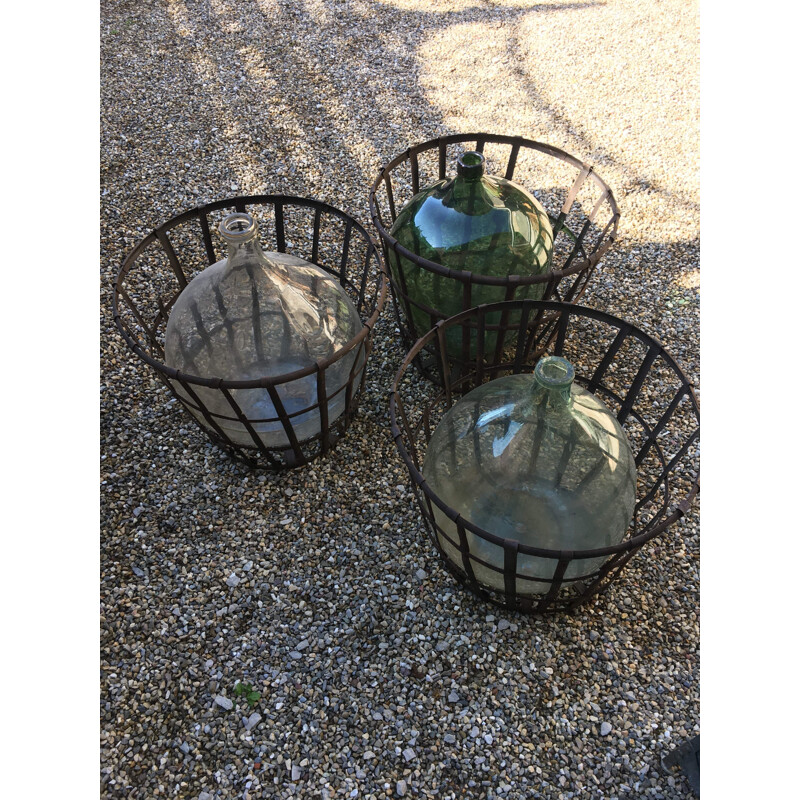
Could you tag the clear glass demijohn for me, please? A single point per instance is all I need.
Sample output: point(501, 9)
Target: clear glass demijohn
point(255, 315)
point(472, 222)
point(538, 459)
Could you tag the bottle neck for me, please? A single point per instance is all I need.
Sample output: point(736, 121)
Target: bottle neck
point(243, 252)
point(553, 377)
point(470, 166)
point(240, 231)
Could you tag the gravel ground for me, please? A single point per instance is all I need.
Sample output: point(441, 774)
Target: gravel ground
point(378, 676)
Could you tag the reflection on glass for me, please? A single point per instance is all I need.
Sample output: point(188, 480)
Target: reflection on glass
point(538, 459)
point(255, 315)
point(476, 223)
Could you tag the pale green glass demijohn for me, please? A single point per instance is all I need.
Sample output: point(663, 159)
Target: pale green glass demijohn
point(476, 223)
point(259, 315)
point(537, 459)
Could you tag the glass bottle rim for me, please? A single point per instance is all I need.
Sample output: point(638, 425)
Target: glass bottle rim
point(470, 164)
point(554, 372)
point(238, 227)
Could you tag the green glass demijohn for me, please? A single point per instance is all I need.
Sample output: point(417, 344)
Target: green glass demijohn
point(257, 315)
point(474, 223)
point(537, 459)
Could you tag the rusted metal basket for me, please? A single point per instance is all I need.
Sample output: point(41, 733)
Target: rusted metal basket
point(627, 369)
point(161, 265)
point(580, 205)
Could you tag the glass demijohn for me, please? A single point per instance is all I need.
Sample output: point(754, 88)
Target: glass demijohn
point(475, 223)
point(534, 458)
point(255, 315)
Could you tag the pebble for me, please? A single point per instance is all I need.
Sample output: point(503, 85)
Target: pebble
point(253, 720)
point(335, 554)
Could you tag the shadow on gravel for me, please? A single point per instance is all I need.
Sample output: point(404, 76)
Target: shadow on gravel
point(331, 93)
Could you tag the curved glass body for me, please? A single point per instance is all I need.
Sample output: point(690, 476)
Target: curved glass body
point(476, 223)
point(538, 459)
point(255, 315)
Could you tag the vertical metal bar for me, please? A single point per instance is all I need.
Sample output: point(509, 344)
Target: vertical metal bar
point(511, 288)
point(665, 417)
point(280, 410)
point(390, 196)
point(322, 400)
point(315, 239)
point(244, 420)
point(512, 162)
point(202, 408)
point(364, 274)
point(603, 198)
point(616, 563)
point(608, 226)
point(613, 348)
point(445, 367)
point(479, 350)
point(562, 333)
point(173, 258)
point(345, 252)
point(410, 438)
point(532, 336)
point(280, 229)
point(466, 561)
point(510, 553)
point(139, 318)
point(578, 246)
point(405, 296)
point(465, 331)
point(573, 193)
point(207, 240)
point(558, 577)
point(521, 336)
point(630, 398)
point(414, 174)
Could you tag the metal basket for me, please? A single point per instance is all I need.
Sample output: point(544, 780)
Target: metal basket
point(580, 205)
point(161, 265)
point(627, 369)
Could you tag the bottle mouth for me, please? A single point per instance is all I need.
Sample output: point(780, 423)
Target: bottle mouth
point(238, 227)
point(470, 164)
point(554, 372)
